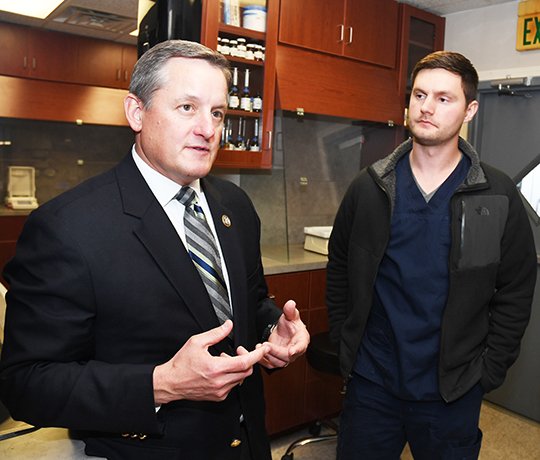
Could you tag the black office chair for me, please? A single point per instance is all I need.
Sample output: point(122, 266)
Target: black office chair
point(322, 355)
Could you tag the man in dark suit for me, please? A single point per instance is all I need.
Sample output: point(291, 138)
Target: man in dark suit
point(110, 330)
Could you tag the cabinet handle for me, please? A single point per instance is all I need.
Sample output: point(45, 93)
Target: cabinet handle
point(118, 74)
point(350, 35)
point(269, 145)
point(33, 63)
point(341, 32)
point(125, 75)
point(25, 62)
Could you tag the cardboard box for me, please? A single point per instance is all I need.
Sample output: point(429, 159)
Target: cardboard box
point(316, 239)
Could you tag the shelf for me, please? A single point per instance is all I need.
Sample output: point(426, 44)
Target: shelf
point(242, 32)
point(425, 46)
point(244, 61)
point(241, 159)
point(242, 113)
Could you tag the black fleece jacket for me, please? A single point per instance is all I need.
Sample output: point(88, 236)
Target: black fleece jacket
point(492, 270)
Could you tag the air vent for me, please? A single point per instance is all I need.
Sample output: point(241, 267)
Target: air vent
point(99, 20)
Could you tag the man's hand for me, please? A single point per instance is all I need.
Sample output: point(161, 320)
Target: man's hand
point(193, 373)
point(289, 339)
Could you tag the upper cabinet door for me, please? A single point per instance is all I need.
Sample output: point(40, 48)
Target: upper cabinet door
point(36, 53)
point(52, 55)
point(371, 31)
point(14, 59)
point(366, 30)
point(313, 24)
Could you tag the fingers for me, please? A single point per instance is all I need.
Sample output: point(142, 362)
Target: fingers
point(290, 311)
point(213, 336)
point(245, 360)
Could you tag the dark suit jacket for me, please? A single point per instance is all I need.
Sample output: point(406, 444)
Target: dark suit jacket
point(101, 291)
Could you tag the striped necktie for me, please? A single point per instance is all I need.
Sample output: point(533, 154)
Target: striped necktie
point(204, 253)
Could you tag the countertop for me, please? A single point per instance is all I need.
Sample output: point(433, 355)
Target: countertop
point(294, 258)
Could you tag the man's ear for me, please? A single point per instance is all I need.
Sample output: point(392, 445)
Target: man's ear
point(472, 108)
point(133, 109)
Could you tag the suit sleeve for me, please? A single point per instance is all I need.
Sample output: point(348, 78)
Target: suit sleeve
point(48, 376)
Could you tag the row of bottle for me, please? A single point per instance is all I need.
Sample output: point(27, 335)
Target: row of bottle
point(240, 48)
point(243, 100)
point(237, 140)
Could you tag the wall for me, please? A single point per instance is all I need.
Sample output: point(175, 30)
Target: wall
point(55, 149)
point(315, 158)
point(487, 36)
point(327, 152)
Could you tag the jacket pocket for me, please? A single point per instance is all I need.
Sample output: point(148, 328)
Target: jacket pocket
point(482, 223)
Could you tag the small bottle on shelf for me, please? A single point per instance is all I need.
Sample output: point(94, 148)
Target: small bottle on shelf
point(228, 144)
point(256, 102)
point(225, 47)
point(250, 52)
point(234, 100)
point(245, 101)
point(254, 141)
point(241, 48)
point(240, 143)
point(233, 47)
point(258, 53)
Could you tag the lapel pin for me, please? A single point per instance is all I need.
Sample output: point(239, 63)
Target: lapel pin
point(226, 220)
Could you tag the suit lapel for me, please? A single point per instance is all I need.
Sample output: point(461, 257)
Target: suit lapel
point(157, 234)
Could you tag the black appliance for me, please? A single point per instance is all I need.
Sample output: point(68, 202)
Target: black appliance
point(170, 19)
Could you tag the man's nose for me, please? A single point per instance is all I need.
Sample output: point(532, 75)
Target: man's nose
point(427, 105)
point(205, 125)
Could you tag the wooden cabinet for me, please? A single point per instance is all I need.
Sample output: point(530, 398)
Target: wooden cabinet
point(339, 59)
point(34, 53)
point(262, 80)
point(371, 31)
point(10, 229)
point(299, 394)
point(44, 55)
point(284, 389)
point(366, 30)
point(103, 63)
point(314, 24)
point(421, 34)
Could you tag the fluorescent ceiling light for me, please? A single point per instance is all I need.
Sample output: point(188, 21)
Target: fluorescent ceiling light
point(143, 8)
point(37, 9)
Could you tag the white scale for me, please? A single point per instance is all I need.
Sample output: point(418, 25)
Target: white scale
point(21, 189)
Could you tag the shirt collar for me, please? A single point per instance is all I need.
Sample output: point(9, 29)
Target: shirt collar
point(163, 188)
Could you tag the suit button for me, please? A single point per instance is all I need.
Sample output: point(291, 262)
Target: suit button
point(235, 442)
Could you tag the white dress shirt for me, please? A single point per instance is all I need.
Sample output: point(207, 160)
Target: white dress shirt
point(165, 190)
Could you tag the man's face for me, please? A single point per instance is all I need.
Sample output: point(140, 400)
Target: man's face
point(437, 108)
point(180, 132)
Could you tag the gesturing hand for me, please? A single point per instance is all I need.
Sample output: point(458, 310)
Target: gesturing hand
point(289, 339)
point(193, 373)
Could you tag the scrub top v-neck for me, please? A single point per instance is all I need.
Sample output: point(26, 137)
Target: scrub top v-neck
point(400, 347)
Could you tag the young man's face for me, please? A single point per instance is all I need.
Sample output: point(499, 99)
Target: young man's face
point(181, 130)
point(438, 108)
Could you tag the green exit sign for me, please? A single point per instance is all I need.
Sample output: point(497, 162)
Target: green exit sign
point(528, 25)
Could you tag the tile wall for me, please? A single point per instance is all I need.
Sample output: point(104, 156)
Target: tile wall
point(315, 159)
